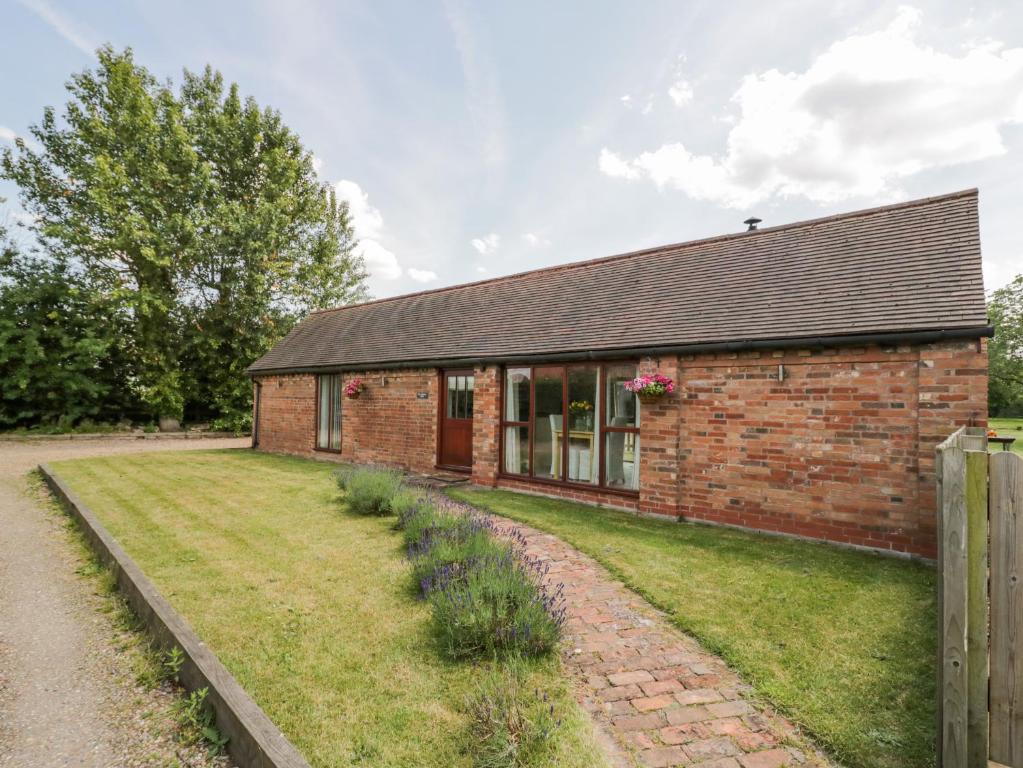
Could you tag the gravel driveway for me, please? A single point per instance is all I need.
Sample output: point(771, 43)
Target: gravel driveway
point(68, 695)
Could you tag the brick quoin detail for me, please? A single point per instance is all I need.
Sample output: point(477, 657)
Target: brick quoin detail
point(287, 407)
point(842, 448)
point(486, 425)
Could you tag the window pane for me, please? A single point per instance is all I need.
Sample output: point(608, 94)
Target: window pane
point(470, 386)
point(622, 406)
point(583, 447)
point(323, 418)
point(516, 394)
point(547, 424)
point(452, 394)
point(622, 452)
point(461, 397)
point(516, 450)
point(335, 424)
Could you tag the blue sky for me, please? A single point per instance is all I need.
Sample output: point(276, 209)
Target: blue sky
point(480, 139)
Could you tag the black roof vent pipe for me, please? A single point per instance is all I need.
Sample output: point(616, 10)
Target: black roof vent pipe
point(751, 223)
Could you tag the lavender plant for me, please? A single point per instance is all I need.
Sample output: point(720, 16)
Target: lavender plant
point(369, 491)
point(512, 725)
point(495, 605)
point(447, 546)
point(407, 499)
point(487, 596)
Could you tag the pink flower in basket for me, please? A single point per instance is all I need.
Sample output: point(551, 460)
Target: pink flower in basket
point(654, 385)
point(353, 388)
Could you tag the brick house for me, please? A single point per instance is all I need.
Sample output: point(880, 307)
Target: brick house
point(816, 364)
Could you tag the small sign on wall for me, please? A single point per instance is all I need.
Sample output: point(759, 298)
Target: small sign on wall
point(422, 395)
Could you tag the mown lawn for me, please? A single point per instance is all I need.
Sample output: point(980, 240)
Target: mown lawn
point(1008, 428)
point(309, 606)
point(843, 642)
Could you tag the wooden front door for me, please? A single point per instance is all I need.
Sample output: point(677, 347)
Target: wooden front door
point(455, 448)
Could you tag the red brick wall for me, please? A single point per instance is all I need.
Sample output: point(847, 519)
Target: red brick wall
point(287, 409)
point(953, 391)
point(659, 433)
point(387, 424)
point(602, 498)
point(842, 448)
point(486, 425)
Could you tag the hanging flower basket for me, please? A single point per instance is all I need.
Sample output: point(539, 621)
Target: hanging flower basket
point(354, 388)
point(652, 387)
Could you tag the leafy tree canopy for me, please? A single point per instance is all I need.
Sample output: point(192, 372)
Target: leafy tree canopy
point(196, 214)
point(1005, 352)
point(59, 362)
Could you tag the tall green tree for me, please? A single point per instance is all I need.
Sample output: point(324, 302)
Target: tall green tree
point(59, 355)
point(1005, 352)
point(197, 213)
point(272, 243)
point(113, 191)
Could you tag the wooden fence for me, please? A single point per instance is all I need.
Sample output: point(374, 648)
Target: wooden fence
point(980, 603)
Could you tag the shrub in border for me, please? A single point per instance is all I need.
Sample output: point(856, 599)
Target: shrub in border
point(488, 597)
point(511, 726)
point(369, 491)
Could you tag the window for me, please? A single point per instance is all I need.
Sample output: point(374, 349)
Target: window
point(517, 397)
point(328, 412)
point(571, 423)
point(621, 429)
point(460, 392)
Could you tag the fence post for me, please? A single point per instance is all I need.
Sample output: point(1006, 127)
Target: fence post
point(976, 601)
point(939, 456)
point(953, 678)
point(1007, 609)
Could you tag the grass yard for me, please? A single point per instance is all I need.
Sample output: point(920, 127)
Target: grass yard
point(1008, 428)
point(843, 642)
point(308, 605)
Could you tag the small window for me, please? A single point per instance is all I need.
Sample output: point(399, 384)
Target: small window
point(460, 396)
point(328, 412)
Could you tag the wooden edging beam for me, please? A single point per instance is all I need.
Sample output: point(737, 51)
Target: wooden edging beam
point(16, 438)
point(253, 740)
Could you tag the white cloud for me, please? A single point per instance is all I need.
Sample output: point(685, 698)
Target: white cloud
point(62, 25)
point(872, 109)
point(317, 164)
point(681, 92)
point(22, 217)
point(486, 244)
point(380, 262)
point(368, 223)
point(367, 220)
point(422, 275)
point(9, 136)
point(612, 165)
point(482, 270)
point(626, 100)
point(536, 241)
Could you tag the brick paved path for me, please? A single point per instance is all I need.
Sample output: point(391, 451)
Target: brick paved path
point(653, 688)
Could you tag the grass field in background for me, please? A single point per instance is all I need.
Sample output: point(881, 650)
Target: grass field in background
point(1008, 428)
point(842, 641)
point(309, 606)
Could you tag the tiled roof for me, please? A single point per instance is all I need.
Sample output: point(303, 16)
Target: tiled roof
point(914, 266)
